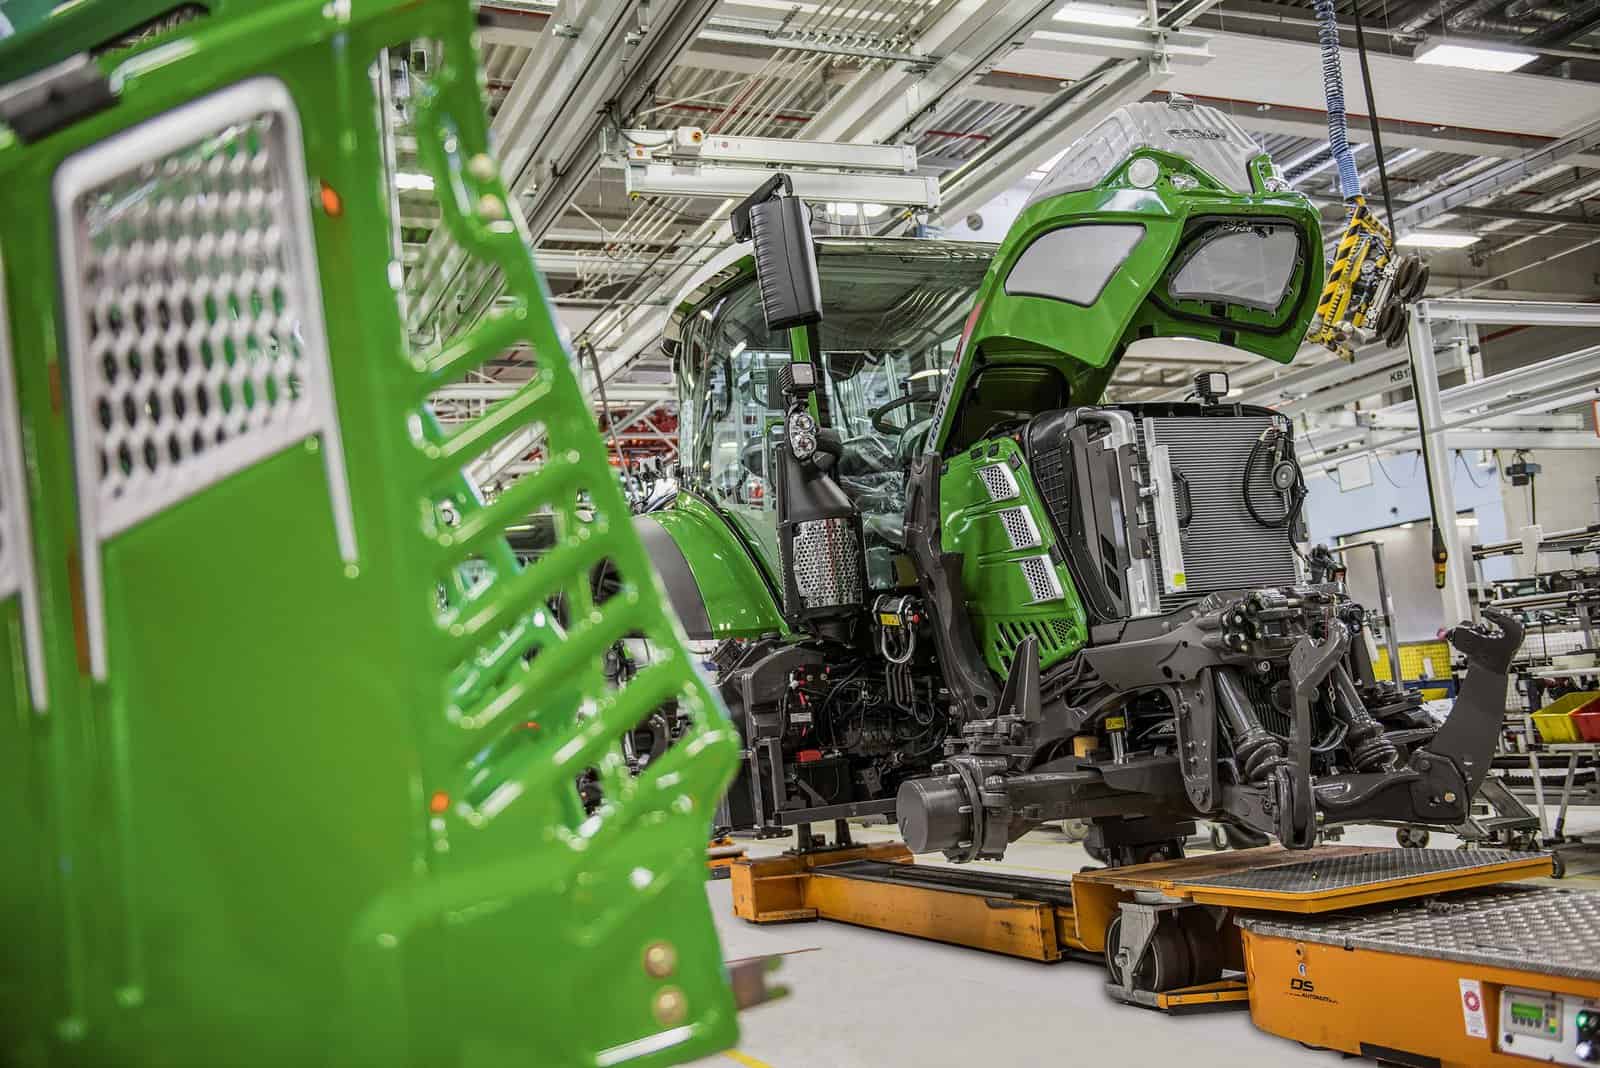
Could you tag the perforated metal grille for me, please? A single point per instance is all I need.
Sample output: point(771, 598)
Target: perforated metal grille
point(1041, 578)
point(999, 481)
point(827, 571)
point(193, 313)
point(1020, 528)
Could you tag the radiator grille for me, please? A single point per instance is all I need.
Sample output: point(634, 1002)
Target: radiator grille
point(1223, 547)
point(999, 481)
point(1054, 635)
point(1020, 528)
point(1041, 578)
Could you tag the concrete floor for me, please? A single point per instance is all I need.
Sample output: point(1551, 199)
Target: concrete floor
point(861, 998)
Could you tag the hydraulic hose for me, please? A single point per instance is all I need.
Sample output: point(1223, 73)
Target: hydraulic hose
point(1333, 91)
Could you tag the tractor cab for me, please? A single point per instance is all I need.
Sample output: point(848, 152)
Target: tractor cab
point(895, 314)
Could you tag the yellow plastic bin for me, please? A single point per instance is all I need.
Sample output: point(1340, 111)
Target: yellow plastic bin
point(1554, 722)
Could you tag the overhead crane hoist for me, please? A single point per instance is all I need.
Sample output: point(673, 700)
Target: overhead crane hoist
point(1369, 283)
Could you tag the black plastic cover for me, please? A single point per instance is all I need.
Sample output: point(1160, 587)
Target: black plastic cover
point(786, 263)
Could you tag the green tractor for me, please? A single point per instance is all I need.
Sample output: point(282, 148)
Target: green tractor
point(950, 583)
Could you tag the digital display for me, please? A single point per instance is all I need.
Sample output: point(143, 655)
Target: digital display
point(1527, 1015)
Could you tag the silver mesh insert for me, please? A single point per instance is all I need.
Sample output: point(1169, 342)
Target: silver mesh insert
point(1020, 528)
point(193, 314)
point(999, 481)
point(1041, 578)
point(16, 544)
point(826, 570)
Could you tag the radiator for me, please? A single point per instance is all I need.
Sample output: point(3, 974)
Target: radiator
point(1223, 546)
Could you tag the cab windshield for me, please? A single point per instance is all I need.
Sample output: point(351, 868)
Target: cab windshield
point(888, 338)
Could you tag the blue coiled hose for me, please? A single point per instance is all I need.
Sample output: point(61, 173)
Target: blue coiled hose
point(1333, 90)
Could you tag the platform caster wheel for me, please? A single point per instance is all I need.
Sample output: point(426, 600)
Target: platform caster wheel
point(1558, 866)
point(1219, 841)
point(1184, 952)
point(1412, 837)
point(1205, 946)
point(1075, 830)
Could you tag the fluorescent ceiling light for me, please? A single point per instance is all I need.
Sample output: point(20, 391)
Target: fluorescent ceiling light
point(1466, 520)
point(932, 372)
point(1437, 239)
point(406, 180)
point(738, 350)
point(1407, 526)
point(1473, 57)
point(1098, 15)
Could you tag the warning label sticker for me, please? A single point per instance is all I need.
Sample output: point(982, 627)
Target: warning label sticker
point(1472, 1008)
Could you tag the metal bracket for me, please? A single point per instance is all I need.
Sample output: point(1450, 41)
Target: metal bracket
point(51, 99)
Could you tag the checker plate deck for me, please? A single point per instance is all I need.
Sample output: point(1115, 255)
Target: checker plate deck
point(1523, 928)
point(1351, 871)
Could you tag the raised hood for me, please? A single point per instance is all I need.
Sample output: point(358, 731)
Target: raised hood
point(1166, 220)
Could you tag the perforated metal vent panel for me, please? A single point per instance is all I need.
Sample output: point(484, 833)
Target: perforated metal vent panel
point(826, 569)
point(1041, 578)
point(999, 481)
point(17, 576)
point(1020, 528)
point(195, 337)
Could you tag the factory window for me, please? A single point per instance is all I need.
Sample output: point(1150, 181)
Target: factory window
point(1073, 263)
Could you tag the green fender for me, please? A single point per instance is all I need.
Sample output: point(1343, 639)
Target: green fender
point(712, 577)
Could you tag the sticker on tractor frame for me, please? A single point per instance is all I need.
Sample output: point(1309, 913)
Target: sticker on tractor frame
point(1472, 1008)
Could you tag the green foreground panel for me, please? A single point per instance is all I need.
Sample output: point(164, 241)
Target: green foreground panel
point(301, 790)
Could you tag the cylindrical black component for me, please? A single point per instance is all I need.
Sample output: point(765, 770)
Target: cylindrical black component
point(1257, 749)
point(930, 811)
point(1369, 748)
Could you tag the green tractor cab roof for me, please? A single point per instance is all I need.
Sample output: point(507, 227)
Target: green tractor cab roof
point(737, 263)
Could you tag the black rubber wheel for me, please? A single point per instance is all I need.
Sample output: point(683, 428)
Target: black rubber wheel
point(1205, 945)
point(1167, 963)
point(1558, 866)
point(1412, 837)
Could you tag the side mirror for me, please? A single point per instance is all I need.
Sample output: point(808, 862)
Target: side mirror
point(786, 257)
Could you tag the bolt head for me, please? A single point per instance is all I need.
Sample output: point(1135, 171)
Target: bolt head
point(660, 959)
point(670, 1006)
point(481, 167)
point(1449, 797)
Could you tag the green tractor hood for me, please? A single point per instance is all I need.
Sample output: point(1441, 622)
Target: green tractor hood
point(1164, 221)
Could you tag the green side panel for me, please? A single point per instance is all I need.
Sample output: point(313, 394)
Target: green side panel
point(738, 592)
point(319, 808)
point(999, 598)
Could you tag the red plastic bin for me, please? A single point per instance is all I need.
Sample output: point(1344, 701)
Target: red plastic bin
point(1588, 723)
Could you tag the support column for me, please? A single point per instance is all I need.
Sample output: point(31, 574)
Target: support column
point(1425, 389)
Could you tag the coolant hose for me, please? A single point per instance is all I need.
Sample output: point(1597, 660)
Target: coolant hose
point(1333, 91)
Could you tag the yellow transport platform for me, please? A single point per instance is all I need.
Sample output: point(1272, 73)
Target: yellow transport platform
point(1499, 976)
point(1166, 931)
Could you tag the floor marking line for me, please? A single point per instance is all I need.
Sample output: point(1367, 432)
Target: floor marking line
point(744, 1059)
